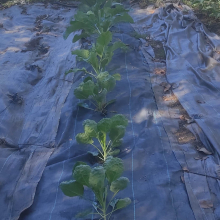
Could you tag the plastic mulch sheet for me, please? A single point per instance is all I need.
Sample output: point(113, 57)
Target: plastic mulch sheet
point(168, 91)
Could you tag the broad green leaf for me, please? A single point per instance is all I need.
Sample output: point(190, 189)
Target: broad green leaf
point(83, 138)
point(77, 164)
point(106, 25)
point(84, 90)
point(117, 143)
point(123, 18)
point(119, 184)
point(117, 76)
point(114, 152)
point(87, 79)
point(72, 188)
point(102, 41)
point(90, 128)
point(122, 203)
point(104, 125)
point(105, 62)
point(113, 168)
point(84, 54)
point(76, 25)
point(80, 36)
point(117, 133)
point(97, 182)
point(90, 13)
point(84, 213)
point(101, 96)
point(119, 119)
point(106, 81)
point(93, 60)
point(117, 45)
point(81, 174)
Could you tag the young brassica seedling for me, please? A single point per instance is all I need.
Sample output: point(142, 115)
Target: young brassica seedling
point(97, 18)
point(105, 182)
point(100, 54)
point(108, 132)
point(96, 92)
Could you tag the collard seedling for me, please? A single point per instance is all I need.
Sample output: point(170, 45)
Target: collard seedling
point(101, 53)
point(96, 92)
point(108, 132)
point(97, 17)
point(105, 182)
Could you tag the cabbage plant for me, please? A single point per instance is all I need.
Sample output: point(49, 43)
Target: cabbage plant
point(105, 182)
point(97, 17)
point(100, 54)
point(96, 92)
point(108, 134)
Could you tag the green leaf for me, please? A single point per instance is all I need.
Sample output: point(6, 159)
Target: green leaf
point(122, 203)
point(104, 125)
point(102, 41)
point(90, 13)
point(90, 128)
point(119, 119)
point(114, 152)
point(113, 168)
point(93, 60)
point(84, 54)
point(78, 163)
point(84, 90)
point(87, 79)
point(123, 18)
point(117, 133)
point(119, 184)
point(117, 76)
point(101, 96)
point(80, 36)
point(117, 143)
point(106, 81)
point(83, 138)
point(84, 213)
point(72, 188)
point(75, 25)
point(81, 174)
point(97, 182)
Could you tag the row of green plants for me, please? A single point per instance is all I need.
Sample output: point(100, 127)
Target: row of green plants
point(210, 7)
point(94, 19)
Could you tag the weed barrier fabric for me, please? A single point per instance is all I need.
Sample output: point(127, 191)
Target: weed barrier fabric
point(192, 71)
point(155, 163)
point(33, 59)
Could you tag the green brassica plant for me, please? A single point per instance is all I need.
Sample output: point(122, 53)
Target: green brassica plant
point(96, 92)
point(210, 7)
point(108, 132)
point(99, 17)
point(100, 54)
point(105, 182)
point(96, 87)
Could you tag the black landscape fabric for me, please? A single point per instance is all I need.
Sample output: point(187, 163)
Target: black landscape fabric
point(169, 92)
